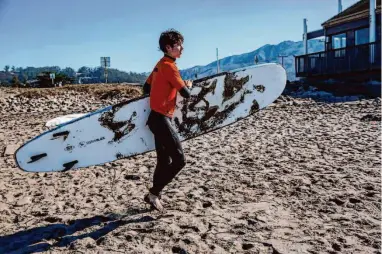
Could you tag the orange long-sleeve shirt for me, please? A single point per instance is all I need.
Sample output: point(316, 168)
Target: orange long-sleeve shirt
point(165, 81)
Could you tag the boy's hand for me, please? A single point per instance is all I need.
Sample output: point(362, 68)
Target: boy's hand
point(188, 83)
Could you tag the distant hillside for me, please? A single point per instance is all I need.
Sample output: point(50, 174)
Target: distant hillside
point(266, 53)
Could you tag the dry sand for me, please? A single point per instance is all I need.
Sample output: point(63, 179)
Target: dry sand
point(297, 177)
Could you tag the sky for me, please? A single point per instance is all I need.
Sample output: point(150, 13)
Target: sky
point(75, 33)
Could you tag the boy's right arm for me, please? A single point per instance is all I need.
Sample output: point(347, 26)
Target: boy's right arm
point(177, 82)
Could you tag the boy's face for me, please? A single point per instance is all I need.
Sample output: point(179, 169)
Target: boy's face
point(176, 50)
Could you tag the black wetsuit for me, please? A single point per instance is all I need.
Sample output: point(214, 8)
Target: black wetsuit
point(170, 156)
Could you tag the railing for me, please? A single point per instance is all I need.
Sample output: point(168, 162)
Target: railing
point(339, 61)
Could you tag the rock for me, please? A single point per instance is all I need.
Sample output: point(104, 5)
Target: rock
point(377, 101)
point(177, 249)
point(132, 177)
point(4, 207)
point(336, 247)
point(370, 117)
point(207, 204)
point(143, 169)
point(247, 246)
point(296, 103)
point(306, 181)
point(24, 201)
point(10, 150)
point(338, 201)
point(354, 200)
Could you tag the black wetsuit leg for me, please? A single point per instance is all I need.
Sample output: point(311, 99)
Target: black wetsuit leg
point(170, 156)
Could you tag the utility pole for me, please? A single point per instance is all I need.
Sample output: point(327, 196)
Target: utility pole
point(105, 62)
point(217, 60)
point(339, 6)
point(305, 37)
point(372, 22)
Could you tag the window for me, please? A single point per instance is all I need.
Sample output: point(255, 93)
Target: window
point(339, 41)
point(362, 36)
point(301, 65)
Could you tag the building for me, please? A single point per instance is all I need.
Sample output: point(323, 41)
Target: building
point(33, 83)
point(352, 46)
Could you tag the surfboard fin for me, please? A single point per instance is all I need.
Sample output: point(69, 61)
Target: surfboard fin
point(37, 157)
point(69, 165)
point(61, 134)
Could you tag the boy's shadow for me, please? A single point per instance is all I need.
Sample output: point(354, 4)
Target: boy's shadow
point(35, 239)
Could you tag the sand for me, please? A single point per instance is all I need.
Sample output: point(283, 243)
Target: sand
point(297, 177)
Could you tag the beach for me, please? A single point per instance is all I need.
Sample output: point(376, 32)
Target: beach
point(300, 176)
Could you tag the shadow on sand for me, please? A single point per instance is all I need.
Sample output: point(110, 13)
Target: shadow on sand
point(35, 239)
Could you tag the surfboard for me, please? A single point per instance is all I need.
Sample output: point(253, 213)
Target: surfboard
point(120, 131)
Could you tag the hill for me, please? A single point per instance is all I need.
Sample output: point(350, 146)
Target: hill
point(265, 54)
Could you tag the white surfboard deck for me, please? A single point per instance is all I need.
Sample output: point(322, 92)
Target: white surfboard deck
point(120, 131)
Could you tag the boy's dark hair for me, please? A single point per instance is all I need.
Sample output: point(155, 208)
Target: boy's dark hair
point(169, 37)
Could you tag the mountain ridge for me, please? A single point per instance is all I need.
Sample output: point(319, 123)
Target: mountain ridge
point(267, 53)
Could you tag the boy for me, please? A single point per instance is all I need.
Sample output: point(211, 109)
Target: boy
point(162, 85)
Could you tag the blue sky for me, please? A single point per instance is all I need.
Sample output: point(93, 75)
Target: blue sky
point(75, 33)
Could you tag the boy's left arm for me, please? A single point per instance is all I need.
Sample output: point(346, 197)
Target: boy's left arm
point(147, 85)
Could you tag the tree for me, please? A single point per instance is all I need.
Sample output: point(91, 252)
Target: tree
point(69, 72)
point(84, 70)
point(13, 68)
point(88, 75)
point(25, 78)
point(65, 79)
point(15, 81)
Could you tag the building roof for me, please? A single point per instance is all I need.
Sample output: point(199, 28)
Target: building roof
point(359, 10)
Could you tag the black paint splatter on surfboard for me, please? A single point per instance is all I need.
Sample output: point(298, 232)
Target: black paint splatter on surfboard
point(107, 121)
point(255, 107)
point(259, 88)
point(212, 116)
point(232, 85)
